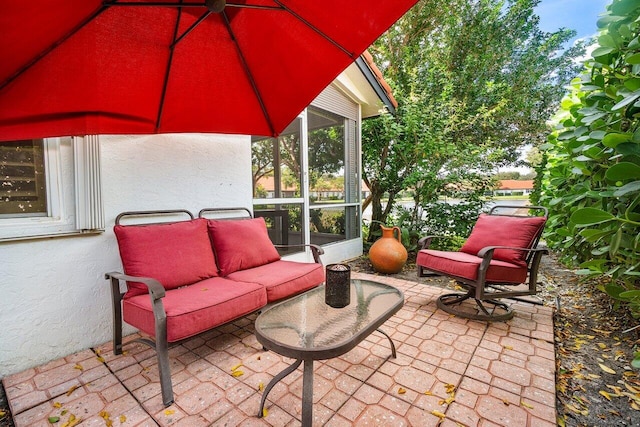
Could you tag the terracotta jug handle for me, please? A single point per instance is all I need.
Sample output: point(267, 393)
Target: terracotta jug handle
point(396, 228)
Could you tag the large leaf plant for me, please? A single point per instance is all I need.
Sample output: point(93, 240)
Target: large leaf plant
point(592, 180)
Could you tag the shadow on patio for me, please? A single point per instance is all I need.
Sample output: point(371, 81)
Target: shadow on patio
point(449, 370)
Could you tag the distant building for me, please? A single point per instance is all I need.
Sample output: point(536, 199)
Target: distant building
point(512, 187)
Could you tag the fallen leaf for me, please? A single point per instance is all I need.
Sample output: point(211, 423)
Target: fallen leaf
point(78, 367)
point(450, 388)
point(605, 394)
point(525, 404)
point(401, 391)
point(586, 336)
point(428, 393)
point(508, 347)
point(606, 369)
point(72, 421)
point(438, 414)
point(265, 412)
point(122, 419)
point(57, 405)
point(261, 386)
point(52, 420)
point(632, 389)
point(572, 408)
point(237, 373)
point(169, 412)
point(71, 390)
point(506, 402)
point(617, 390)
point(101, 359)
point(235, 367)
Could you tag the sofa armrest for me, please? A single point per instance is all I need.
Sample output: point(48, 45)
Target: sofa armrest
point(156, 290)
point(315, 250)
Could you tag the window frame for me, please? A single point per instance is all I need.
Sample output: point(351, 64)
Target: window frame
point(64, 187)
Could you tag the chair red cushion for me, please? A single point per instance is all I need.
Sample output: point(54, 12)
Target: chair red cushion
point(498, 230)
point(175, 254)
point(465, 265)
point(283, 278)
point(241, 244)
point(196, 308)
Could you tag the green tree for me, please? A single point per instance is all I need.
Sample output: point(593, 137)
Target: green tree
point(592, 180)
point(475, 80)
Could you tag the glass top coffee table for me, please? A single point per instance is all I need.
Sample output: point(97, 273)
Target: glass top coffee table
point(306, 329)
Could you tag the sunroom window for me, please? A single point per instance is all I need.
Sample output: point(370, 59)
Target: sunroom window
point(333, 193)
point(305, 182)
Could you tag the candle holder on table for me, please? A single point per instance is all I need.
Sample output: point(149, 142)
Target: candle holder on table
point(338, 285)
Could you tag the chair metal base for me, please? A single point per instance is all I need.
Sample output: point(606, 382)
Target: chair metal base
point(450, 303)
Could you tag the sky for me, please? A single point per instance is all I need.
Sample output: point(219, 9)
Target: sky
point(579, 15)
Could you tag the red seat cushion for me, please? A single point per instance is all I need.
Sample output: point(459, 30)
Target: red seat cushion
point(196, 308)
point(175, 254)
point(283, 278)
point(241, 244)
point(465, 265)
point(499, 230)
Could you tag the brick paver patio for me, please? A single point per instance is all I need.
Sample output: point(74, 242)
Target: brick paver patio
point(449, 372)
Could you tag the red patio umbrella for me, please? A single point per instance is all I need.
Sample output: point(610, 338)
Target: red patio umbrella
point(75, 67)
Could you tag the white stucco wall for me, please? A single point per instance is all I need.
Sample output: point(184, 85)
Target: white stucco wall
point(54, 300)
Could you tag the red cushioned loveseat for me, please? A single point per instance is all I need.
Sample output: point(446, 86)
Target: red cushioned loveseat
point(186, 277)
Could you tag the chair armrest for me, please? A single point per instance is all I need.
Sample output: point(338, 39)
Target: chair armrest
point(315, 250)
point(156, 290)
point(425, 241)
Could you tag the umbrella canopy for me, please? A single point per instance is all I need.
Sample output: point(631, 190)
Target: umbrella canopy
point(76, 67)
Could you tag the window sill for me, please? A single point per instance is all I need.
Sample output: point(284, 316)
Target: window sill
point(51, 235)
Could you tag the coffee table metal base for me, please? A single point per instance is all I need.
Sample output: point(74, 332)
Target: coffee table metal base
point(307, 384)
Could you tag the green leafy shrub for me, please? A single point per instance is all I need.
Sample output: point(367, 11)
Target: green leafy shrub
point(592, 181)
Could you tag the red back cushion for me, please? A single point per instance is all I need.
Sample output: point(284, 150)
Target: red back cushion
point(241, 244)
point(497, 230)
point(175, 254)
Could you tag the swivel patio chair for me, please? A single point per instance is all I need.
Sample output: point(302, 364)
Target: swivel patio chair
point(500, 259)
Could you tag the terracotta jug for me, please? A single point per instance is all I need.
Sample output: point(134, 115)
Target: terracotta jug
point(388, 255)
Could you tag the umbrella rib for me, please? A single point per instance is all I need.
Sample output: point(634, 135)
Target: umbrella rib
point(168, 70)
point(248, 72)
point(51, 47)
point(317, 30)
point(192, 4)
point(191, 28)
